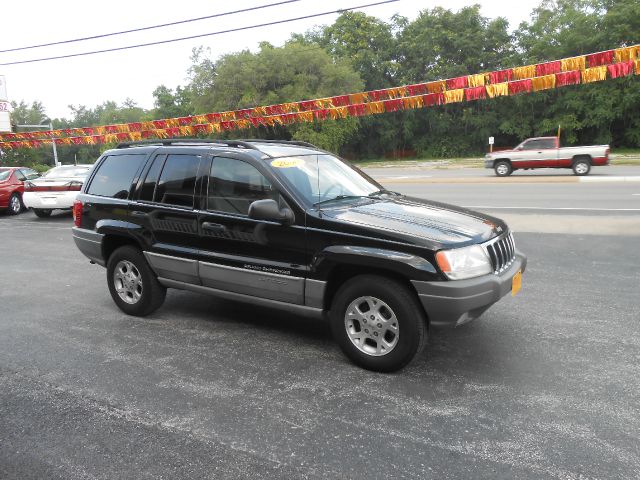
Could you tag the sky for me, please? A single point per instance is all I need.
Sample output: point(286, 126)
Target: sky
point(91, 80)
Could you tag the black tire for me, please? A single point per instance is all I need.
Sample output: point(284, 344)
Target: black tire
point(151, 295)
point(42, 212)
point(582, 166)
point(503, 168)
point(15, 204)
point(411, 322)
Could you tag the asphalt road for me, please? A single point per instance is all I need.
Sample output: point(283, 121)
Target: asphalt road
point(544, 385)
point(430, 170)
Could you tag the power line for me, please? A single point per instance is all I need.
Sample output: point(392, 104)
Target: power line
point(141, 29)
point(161, 42)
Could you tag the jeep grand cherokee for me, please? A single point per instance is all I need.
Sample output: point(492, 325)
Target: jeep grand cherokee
point(287, 225)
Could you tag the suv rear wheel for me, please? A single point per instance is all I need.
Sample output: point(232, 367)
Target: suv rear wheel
point(133, 285)
point(378, 323)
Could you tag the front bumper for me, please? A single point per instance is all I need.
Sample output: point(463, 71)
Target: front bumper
point(488, 162)
point(455, 302)
point(49, 200)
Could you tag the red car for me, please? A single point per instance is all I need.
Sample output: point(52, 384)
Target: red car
point(12, 187)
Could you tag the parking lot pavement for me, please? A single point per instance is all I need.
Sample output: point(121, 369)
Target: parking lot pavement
point(545, 385)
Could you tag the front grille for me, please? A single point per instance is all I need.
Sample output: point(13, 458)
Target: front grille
point(501, 251)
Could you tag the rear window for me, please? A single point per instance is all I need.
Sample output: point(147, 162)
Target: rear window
point(115, 175)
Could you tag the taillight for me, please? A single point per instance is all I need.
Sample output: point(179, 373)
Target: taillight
point(74, 186)
point(606, 153)
point(77, 213)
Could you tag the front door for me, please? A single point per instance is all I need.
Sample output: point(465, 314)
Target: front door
point(242, 255)
point(165, 208)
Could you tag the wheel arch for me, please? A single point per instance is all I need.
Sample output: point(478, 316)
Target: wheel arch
point(508, 160)
point(582, 156)
point(114, 240)
point(339, 264)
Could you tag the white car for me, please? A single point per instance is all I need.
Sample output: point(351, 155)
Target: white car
point(56, 189)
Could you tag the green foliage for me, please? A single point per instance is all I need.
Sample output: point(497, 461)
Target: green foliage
point(360, 52)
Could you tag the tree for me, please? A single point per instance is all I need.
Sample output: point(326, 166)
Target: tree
point(441, 44)
point(275, 75)
point(367, 42)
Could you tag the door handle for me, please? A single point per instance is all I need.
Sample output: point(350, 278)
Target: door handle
point(138, 213)
point(213, 227)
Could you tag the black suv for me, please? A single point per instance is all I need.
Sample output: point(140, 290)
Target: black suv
point(285, 224)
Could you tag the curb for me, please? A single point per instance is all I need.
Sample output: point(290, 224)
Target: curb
point(609, 179)
point(507, 180)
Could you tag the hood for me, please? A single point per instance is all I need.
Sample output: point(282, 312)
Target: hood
point(421, 222)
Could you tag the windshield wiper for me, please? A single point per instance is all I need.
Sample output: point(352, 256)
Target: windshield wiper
point(383, 192)
point(339, 197)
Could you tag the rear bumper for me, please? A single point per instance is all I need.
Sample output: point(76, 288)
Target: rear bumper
point(49, 200)
point(455, 302)
point(89, 243)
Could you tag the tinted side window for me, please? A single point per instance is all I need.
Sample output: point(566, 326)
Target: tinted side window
point(547, 143)
point(19, 175)
point(234, 185)
point(532, 145)
point(178, 180)
point(115, 175)
point(150, 181)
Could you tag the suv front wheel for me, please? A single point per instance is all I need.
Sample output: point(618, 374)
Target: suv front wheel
point(133, 285)
point(378, 323)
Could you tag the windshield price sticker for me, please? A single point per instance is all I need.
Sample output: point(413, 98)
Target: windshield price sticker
point(286, 162)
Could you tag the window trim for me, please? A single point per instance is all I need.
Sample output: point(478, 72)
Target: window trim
point(195, 186)
point(206, 187)
point(93, 171)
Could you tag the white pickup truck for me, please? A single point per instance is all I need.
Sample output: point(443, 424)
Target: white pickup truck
point(545, 152)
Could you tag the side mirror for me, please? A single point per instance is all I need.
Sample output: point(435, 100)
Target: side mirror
point(268, 210)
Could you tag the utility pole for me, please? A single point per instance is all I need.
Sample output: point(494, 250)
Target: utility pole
point(56, 163)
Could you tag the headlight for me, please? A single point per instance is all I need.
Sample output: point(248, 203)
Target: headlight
point(467, 262)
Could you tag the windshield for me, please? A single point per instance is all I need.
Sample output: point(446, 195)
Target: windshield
point(69, 171)
point(4, 174)
point(323, 178)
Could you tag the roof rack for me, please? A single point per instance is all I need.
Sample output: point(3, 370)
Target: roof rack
point(182, 141)
point(286, 142)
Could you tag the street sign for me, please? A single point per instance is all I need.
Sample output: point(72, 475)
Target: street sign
point(3, 88)
point(491, 140)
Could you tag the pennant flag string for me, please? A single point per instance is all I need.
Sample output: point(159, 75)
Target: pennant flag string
point(508, 82)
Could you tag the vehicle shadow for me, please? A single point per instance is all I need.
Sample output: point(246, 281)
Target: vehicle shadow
point(470, 351)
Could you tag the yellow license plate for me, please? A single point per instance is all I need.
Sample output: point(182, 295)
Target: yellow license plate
point(516, 283)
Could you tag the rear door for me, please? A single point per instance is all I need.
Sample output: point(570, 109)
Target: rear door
point(243, 255)
point(165, 208)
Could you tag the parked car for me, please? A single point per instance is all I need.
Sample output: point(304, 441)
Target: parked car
point(12, 187)
point(287, 225)
point(545, 152)
point(55, 190)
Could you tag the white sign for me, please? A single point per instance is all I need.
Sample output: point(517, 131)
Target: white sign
point(3, 88)
point(5, 122)
point(490, 140)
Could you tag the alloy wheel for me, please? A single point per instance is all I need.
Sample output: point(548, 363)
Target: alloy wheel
point(371, 326)
point(128, 282)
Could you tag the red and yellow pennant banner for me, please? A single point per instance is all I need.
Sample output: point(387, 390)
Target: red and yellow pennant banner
point(526, 79)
